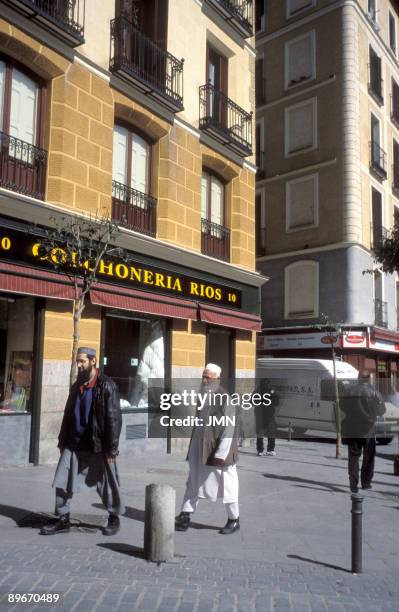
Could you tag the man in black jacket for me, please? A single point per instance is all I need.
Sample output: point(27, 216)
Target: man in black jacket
point(361, 405)
point(88, 443)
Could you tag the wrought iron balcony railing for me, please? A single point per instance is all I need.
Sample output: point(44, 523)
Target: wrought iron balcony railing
point(133, 209)
point(140, 60)
point(65, 18)
point(22, 166)
point(378, 234)
point(380, 313)
point(238, 12)
point(215, 240)
point(378, 160)
point(225, 120)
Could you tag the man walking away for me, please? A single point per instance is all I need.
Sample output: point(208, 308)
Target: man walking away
point(361, 405)
point(265, 417)
point(212, 458)
point(88, 443)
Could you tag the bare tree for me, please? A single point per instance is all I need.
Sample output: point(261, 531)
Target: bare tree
point(75, 246)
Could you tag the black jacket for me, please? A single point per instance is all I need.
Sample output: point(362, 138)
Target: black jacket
point(361, 404)
point(106, 417)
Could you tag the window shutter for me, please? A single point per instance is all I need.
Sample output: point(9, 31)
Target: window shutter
point(301, 203)
point(119, 159)
point(216, 201)
point(140, 164)
point(24, 94)
point(300, 60)
point(300, 126)
point(204, 196)
point(2, 86)
point(301, 290)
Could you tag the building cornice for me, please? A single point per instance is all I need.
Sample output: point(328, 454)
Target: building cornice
point(329, 247)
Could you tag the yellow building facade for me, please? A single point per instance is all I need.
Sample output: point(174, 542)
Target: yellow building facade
point(123, 128)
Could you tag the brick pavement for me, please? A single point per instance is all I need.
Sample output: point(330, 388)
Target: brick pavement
point(292, 553)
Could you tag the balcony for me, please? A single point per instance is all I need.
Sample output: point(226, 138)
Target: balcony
point(380, 313)
point(239, 13)
point(139, 60)
point(378, 160)
point(64, 18)
point(215, 240)
point(378, 234)
point(225, 120)
point(133, 209)
point(22, 166)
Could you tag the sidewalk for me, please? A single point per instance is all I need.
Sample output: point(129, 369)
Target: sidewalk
point(292, 553)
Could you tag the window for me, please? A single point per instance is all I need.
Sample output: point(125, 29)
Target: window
point(296, 6)
point(375, 76)
point(395, 166)
point(20, 98)
point(131, 159)
point(259, 152)
point(301, 127)
point(377, 154)
point(302, 203)
point(260, 88)
point(372, 10)
point(134, 352)
point(377, 228)
point(260, 212)
point(212, 198)
point(300, 60)
point(392, 33)
point(380, 307)
point(395, 103)
point(302, 290)
point(259, 15)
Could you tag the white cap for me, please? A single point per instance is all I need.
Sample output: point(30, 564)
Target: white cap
point(212, 367)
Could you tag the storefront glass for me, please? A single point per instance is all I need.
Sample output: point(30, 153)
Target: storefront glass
point(16, 354)
point(134, 352)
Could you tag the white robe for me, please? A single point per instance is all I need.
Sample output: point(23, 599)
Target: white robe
point(209, 482)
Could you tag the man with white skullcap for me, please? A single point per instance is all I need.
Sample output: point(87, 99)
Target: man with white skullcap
point(212, 458)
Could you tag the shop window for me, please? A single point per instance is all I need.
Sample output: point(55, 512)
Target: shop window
point(300, 61)
point(302, 203)
point(133, 354)
point(301, 127)
point(302, 290)
point(16, 354)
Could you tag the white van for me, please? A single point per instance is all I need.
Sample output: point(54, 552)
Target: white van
point(305, 390)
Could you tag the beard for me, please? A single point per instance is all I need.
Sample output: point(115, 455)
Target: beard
point(83, 376)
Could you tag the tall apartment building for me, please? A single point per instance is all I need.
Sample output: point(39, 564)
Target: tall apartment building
point(141, 109)
point(327, 185)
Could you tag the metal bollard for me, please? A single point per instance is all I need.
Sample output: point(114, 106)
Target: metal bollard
point(159, 523)
point(357, 514)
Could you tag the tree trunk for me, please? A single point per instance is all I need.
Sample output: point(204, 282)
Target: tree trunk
point(78, 307)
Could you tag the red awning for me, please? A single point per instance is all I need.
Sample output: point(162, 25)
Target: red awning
point(31, 281)
point(230, 318)
point(142, 301)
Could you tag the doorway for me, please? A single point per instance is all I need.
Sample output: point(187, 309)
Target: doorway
point(220, 349)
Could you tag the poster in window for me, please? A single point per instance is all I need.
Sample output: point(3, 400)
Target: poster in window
point(18, 384)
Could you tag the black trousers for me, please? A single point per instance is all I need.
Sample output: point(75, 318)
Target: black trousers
point(271, 444)
point(355, 448)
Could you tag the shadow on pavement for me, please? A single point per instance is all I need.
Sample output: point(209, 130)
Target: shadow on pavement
point(25, 518)
point(329, 565)
point(296, 479)
point(124, 549)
